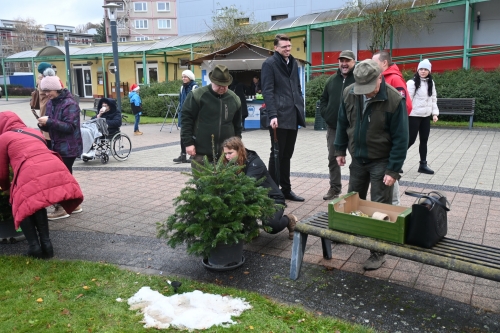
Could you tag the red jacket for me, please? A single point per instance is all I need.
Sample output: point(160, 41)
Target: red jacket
point(393, 76)
point(40, 177)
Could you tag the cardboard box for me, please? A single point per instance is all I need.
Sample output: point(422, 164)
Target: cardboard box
point(340, 218)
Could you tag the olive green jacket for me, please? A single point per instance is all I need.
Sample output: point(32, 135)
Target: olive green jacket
point(381, 132)
point(206, 113)
point(332, 96)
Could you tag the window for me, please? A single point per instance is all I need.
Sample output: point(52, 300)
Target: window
point(140, 7)
point(164, 24)
point(141, 24)
point(163, 6)
point(122, 39)
point(120, 24)
point(141, 38)
point(242, 21)
point(279, 17)
point(72, 40)
point(119, 9)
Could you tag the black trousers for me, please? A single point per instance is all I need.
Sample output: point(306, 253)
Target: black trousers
point(422, 127)
point(286, 143)
point(68, 162)
point(278, 222)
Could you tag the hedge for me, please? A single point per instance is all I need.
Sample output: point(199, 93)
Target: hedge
point(461, 83)
point(17, 90)
point(152, 105)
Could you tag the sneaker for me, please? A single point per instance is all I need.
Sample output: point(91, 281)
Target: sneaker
point(332, 194)
point(292, 222)
point(375, 260)
point(137, 133)
point(90, 155)
point(78, 209)
point(59, 213)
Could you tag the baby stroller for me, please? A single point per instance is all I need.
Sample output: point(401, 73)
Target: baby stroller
point(116, 144)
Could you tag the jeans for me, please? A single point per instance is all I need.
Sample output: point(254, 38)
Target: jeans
point(363, 175)
point(286, 143)
point(333, 166)
point(422, 127)
point(136, 124)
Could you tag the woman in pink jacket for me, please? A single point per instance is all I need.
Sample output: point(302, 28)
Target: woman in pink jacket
point(40, 179)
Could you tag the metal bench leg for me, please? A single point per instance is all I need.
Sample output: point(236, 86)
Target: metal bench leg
point(298, 249)
point(326, 245)
point(470, 122)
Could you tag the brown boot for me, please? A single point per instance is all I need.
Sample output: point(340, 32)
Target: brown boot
point(57, 214)
point(137, 133)
point(292, 221)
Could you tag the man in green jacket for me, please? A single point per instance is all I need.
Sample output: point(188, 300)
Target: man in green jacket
point(212, 110)
point(329, 109)
point(373, 126)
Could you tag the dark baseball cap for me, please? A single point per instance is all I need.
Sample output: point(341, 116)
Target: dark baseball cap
point(348, 54)
point(366, 74)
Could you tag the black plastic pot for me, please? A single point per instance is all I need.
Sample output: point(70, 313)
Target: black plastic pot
point(8, 233)
point(225, 257)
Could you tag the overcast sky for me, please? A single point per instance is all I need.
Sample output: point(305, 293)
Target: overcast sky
point(64, 12)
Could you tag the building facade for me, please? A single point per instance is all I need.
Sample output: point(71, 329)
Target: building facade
point(139, 20)
point(20, 36)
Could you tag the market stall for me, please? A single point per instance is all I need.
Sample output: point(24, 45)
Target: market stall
point(244, 62)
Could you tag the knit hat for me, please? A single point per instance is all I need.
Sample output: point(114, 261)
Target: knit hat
point(366, 74)
point(43, 66)
point(425, 64)
point(134, 87)
point(220, 76)
point(49, 72)
point(189, 74)
point(51, 83)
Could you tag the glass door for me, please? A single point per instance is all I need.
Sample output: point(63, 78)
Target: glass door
point(151, 72)
point(87, 82)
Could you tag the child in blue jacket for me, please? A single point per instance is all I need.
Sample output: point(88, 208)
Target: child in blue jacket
point(136, 104)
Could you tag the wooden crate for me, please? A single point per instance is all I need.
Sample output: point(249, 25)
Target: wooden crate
point(340, 218)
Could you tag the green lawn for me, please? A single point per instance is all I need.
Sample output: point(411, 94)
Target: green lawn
point(76, 296)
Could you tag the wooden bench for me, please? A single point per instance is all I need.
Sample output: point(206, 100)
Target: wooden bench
point(457, 107)
point(94, 109)
point(469, 258)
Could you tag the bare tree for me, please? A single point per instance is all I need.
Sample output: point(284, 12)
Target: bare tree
point(83, 28)
point(231, 25)
point(381, 18)
point(28, 35)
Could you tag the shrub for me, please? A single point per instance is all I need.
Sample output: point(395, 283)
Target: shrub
point(152, 105)
point(314, 90)
point(16, 90)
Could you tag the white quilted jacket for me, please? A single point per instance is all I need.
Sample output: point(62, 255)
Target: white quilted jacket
point(423, 104)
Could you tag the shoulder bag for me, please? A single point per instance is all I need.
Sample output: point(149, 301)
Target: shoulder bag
point(428, 221)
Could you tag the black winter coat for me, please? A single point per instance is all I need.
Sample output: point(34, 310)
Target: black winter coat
point(113, 116)
point(255, 168)
point(282, 92)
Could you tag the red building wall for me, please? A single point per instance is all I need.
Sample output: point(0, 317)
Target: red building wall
point(488, 63)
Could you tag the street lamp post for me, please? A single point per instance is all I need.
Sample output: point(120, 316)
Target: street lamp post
point(111, 7)
point(69, 83)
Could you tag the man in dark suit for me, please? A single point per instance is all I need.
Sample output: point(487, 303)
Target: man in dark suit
point(285, 108)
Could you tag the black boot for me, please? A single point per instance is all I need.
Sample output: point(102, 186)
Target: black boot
point(42, 225)
point(423, 168)
point(29, 230)
point(181, 158)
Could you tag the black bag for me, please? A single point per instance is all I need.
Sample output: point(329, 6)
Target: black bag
point(428, 221)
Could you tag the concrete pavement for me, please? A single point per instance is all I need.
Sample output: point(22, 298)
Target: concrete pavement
point(124, 200)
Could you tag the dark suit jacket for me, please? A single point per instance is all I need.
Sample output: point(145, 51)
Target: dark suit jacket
point(282, 92)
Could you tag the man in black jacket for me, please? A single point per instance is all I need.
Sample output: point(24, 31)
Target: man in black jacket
point(285, 108)
point(329, 109)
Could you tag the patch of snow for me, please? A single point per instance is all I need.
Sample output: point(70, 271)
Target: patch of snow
point(193, 310)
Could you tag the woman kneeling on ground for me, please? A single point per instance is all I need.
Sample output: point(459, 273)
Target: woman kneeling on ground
point(40, 179)
point(255, 168)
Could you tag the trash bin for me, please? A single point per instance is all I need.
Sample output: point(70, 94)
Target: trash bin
point(319, 122)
